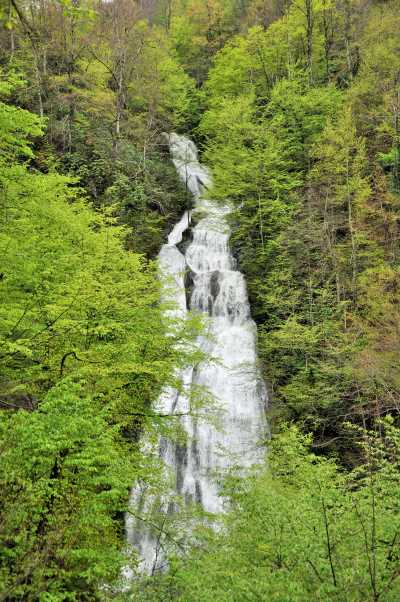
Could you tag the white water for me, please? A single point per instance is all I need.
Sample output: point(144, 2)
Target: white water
point(231, 376)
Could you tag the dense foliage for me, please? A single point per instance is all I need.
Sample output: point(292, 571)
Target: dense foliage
point(301, 530)
point(296, 107)
point(84, 353)
point(301, 128)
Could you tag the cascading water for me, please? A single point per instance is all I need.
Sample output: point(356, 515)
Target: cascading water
point(231, 375)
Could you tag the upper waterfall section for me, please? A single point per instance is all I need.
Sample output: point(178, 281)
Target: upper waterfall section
point(184, 154)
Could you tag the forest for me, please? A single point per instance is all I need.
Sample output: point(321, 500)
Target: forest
point(294, 106)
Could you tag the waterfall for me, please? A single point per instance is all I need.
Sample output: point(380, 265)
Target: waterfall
point(231, 375)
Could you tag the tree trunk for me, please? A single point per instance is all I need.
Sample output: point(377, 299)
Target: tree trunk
point(310, 30)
